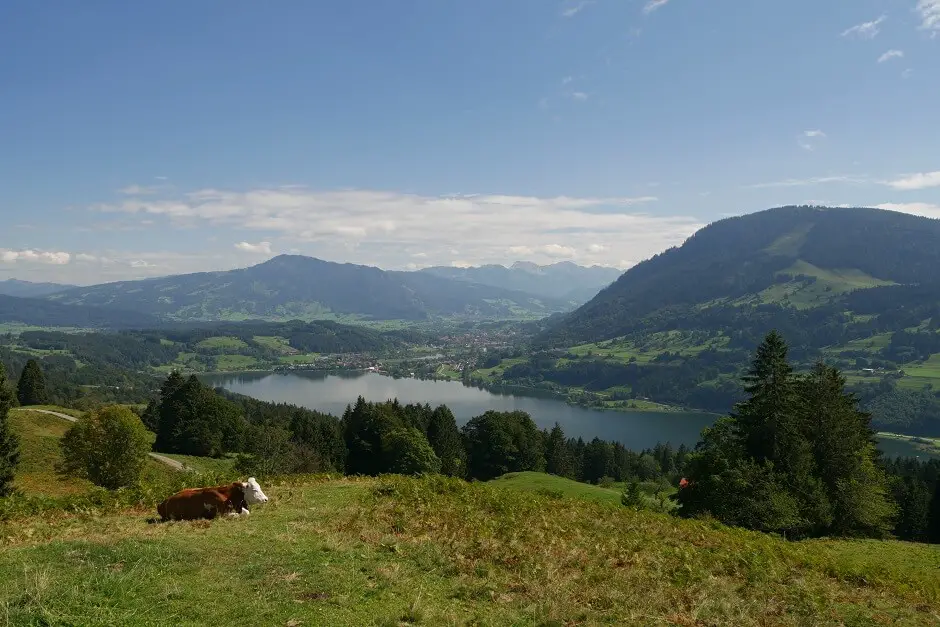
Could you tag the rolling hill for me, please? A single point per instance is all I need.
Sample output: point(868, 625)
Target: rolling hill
point(297, 287)
point(28, 289)
point(565, 280)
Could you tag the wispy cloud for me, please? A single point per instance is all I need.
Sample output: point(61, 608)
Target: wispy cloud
point(818, 180)
point(909, 72)
point(580, 96)
point(808, 139)
point(929, 11)
point(567, 80)
point(263, 248)
point(139, 190)
point(652, 5)
point(891, 54)
point(919, 180)
point(866, 30)
point(391, 227)
point(574, 9)
point(36, 256)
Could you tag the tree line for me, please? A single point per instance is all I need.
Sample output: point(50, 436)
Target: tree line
point(798, 458)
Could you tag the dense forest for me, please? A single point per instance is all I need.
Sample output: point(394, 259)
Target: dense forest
point(43, 313)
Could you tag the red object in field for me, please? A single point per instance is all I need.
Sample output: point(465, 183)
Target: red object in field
point(683, 483)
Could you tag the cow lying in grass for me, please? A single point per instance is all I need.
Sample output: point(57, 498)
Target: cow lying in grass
point(197, 503)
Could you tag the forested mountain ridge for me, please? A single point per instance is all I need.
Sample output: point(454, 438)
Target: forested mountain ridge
point(39, 312)
point(564, 280)
point(28, 289)
point(862, 258)
point(296, 287)
point(857, 288)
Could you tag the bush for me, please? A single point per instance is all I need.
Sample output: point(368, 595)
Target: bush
point(407, 452)
point(108, 447)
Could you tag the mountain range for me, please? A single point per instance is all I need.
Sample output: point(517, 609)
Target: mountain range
point(28, 289)
point(298, 287)
point(565, 280)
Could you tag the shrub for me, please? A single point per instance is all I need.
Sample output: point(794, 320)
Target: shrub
point(108, 447)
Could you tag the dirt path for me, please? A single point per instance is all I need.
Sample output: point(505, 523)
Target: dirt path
point(172, 463)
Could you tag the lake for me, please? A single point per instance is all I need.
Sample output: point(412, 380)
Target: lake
point(331, 392)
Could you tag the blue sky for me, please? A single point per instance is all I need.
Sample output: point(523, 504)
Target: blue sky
point(143, 139)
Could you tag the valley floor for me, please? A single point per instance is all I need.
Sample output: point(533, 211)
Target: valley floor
point(433, 551)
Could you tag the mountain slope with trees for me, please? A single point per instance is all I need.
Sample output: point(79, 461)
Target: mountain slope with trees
point(857, 288)
point(43, 313)
point(28, 289)
point(296, 287)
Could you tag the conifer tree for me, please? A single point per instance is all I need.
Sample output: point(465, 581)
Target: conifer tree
point(31, 389)
point(9, 442)
point(557, 455)
point(444, 437)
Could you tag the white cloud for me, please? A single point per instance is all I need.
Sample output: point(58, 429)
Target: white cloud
point(597, 248)
point(567, 80)
point(818, 180)
point(35, 256)
point(866, 30)
point(579, 96)
point(927, 210)
point(809, 139)
point(891, 54)
point(920, 180)
point(573, 10)
point(139, 190)
point(907, 73)
point(652, 5)
point(814, 133)
point(352, 225)
point(929, 11)
point(263, 248)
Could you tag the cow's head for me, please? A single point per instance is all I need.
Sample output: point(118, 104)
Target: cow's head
point(253, 493)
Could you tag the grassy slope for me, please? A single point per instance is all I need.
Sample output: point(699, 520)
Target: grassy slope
point(436, 552)
point(39, 453)
point(542, 483)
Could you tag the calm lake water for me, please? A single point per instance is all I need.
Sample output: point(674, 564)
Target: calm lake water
point(332, 392)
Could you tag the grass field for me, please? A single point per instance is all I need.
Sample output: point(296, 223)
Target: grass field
point(274, 343)
point(683, 343)
point(542, 483)
point(235, 362)
point(222, 343)
point(395, 551)
point(204, 464)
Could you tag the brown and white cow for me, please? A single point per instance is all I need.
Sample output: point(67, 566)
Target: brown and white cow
point(196, 503)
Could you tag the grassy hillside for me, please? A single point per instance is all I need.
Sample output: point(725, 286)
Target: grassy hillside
point(550, 485)
point(397, 551)
point(39, 453)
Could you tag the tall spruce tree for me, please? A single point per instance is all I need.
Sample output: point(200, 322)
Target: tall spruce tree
point(444, 437)
point(797, 457)
point(557, 454)
point(9, 442)
point(933, 517)
point(855, 487)
point(31, 389)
